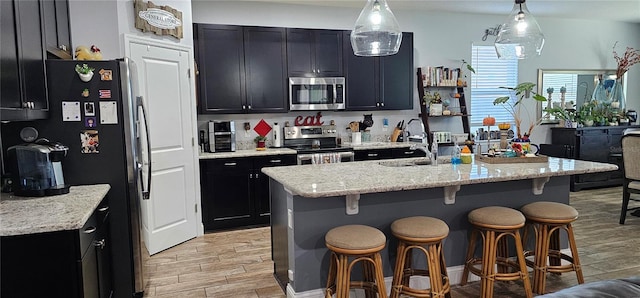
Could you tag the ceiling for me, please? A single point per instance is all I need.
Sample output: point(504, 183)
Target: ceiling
point(613, 10)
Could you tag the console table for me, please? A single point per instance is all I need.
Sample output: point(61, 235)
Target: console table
point(600, 143)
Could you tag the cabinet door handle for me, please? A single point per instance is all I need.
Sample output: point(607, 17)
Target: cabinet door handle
point(89, 230)
point(408, 152)
point(230, 164)
point(382, 104)
point(275, 161)
point(100, 243)
point(257, 175)
point(244, 107)
point(103, 209)
point(372, 154)
point(251, 176)
point(249, 107)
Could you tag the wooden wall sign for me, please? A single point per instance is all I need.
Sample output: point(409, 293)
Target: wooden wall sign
point(161, 20)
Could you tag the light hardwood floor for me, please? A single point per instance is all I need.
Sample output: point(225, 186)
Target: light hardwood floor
point(238, 263)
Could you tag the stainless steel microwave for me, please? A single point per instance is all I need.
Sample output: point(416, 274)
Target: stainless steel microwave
point(314, 94)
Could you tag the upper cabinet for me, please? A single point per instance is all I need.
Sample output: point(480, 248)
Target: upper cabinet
point(379, 83)
point(240, 69)
point(57, 39)
point(23, 85)
point(314, 53)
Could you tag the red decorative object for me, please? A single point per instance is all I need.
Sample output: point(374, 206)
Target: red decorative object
point(262, 128)
point(309, 120)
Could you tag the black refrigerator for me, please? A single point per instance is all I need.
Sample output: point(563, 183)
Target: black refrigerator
point(101, 120)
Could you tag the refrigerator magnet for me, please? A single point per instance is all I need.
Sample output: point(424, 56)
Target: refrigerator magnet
point(89, 109)
point(85, 92)
point(108, 112)
point(105, 74)
point(71, 111)
point(89, 141)
point(90, 122)
point(104, 93)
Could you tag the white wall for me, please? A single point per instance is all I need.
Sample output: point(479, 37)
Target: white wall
point(443, 39)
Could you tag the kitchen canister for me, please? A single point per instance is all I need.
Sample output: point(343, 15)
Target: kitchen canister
point(356, 138)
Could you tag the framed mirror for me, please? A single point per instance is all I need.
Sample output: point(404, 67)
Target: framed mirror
point(579, 86)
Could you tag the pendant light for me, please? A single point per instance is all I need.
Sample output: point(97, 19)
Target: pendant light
point(376, 32)
point(520, 36)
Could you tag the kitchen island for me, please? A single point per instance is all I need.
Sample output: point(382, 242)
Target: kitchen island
point(309, 200)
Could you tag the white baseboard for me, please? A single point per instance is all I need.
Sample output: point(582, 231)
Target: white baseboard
point(419, 282)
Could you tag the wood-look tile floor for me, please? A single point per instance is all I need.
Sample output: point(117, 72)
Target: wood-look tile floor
point(238, 263)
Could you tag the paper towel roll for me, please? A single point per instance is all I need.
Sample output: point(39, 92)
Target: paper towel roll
point(277, 138)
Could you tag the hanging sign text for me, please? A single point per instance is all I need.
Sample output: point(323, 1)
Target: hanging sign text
point(161, 20)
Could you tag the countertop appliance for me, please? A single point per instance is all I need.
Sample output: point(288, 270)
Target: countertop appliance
point(108, 109)
point(37, 168)
point(316, 142)
point(315, 94)
point(222, 136)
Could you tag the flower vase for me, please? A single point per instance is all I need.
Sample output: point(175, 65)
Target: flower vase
point(617, 95)
point(599, 93)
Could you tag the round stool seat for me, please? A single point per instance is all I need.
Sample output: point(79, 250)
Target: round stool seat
point(549, 210)
point(496, 216)
point(355, 237)
point(420, 227)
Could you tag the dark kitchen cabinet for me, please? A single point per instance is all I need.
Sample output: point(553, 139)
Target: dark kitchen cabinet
point(240, 69)
point(600, 144)
point(55, 19)
point(261, 185)
point(372, 154)
point(72, 263)
point(23, 85)
point(314, 53)
point(379, 83)
point(235, 193)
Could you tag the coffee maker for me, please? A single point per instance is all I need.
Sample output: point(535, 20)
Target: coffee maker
point(37, 168)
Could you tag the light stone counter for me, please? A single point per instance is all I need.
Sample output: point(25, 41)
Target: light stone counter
point(247, 153)
point(378, 145)
point(352, 178)
point(31, 215)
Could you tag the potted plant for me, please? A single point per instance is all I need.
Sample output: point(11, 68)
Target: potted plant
point(435, 103)
point(260, 142)
point(463, 82)
point(84, 72)
point(566, 117)
point(515, 108)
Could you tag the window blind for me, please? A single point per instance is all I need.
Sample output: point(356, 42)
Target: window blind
point(491, 74)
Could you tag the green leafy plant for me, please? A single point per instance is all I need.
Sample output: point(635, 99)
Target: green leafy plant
point(515, 108)
point(84, 69)
point(260, 138)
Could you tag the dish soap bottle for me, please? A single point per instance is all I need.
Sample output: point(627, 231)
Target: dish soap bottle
point(456, 159)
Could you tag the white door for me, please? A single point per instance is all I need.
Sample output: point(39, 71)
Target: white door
point(169, 216)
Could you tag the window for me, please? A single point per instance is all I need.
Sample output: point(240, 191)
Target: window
point(491, 74)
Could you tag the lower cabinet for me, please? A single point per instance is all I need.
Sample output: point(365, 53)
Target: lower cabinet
point(235, 193)
point(75, 263)
point(386, 153)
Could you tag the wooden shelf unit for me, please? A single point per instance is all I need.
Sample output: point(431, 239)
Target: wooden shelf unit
point(424, 112)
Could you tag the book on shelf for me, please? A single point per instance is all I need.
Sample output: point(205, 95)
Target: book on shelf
point(434, 76)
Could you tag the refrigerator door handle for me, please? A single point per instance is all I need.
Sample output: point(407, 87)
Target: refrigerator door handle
point(145, 192)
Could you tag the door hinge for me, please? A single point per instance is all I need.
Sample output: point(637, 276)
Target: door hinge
point(189, 73)
point(193, 141)
point(195, 208)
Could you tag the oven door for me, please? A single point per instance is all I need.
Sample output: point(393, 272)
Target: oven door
point(320, 158)
point(312, 94)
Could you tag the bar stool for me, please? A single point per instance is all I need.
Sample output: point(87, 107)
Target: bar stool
point(494, 224)
point(349, 245)
point(424, 234)
point(547, 219)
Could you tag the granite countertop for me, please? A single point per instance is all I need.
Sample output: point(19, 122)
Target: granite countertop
point(247, 153)
point(350, 178)
point(378, 145)
point(31, 215)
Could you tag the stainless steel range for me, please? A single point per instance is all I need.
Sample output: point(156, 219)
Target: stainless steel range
point(316, 144)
